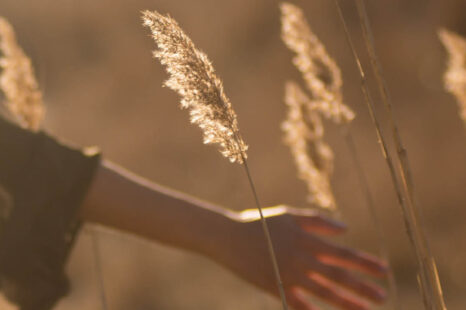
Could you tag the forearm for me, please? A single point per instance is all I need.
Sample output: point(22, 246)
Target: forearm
point(122, 200)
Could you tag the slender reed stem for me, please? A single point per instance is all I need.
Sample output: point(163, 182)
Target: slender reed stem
point(383, 249)
point(98, 268)
point(431, 288)
point(268, 238)
point(360, 171)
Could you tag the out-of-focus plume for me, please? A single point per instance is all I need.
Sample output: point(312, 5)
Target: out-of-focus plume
point(17, 80)
point(319, 70)
point(304, 134)
point(193, 78)
point(455, 75)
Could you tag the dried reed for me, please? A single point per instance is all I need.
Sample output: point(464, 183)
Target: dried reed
point(303, 127)
point(194, 78)
point(455, 75)
point(299, 37)
point(319, 70)
point(383, 249)
point(304, 134)
point(17, 81)
point(428, 276)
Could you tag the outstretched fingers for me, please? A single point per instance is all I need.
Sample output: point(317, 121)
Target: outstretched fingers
point(321, 288)
point(345, 279)
point(338, 255)
point(297, 300)
point(352, 259)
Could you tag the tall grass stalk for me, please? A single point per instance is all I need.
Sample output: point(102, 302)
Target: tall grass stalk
point(193, 77)
point(428, 277)
point(311, 60)
point(266, 231)
point(370, 202)
point(383, 244)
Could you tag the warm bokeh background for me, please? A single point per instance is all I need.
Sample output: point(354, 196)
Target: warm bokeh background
point(102, 87)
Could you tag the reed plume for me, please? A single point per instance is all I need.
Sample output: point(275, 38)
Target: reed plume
point(320, 72)
point(303, 127)
point(193, 77)
point(428, 278)
point(455, 75)
point(323, 78)
point(304, 134)
point(18, 82)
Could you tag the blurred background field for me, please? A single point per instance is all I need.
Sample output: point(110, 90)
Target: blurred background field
point(102, 87)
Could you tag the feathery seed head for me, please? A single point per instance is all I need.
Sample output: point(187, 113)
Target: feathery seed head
point(193, 77)
point(304, 134)
point(17, 80)
point(319, 70)
point(455, 75)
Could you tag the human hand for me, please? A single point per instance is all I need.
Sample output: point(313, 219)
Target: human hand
point(307, 262)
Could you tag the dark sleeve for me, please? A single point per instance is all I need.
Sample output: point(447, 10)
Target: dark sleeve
point(42, 184)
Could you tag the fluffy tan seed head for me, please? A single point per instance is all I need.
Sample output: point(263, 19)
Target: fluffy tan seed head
point(455, 75)
point(17, 80)
point(193, 77)
point(304, 134)
point(319, 70)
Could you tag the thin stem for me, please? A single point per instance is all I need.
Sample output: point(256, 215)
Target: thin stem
point(98, 268)
point(383, 249)
point(268, 238)
point(431, 287)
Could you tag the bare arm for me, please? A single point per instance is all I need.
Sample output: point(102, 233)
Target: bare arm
point(308, 263)
point(125, 201)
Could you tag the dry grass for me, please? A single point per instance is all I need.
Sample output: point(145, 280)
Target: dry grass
point(193, 78)
point(303, 127)
point(455, 75)
point(428, 278)
point(323, 78)
point(320, 72)
point(17, 81)
point(304, 134)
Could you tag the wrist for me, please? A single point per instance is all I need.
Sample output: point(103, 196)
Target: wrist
point(217, 239)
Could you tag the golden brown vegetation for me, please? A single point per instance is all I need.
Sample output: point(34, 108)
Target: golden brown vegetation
point(303, 127)
point(455, 75)
point(17, 80)
point(193, 78)
point(304, 134)
point(428, 278)
point(319, 70)
point(323, 79)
